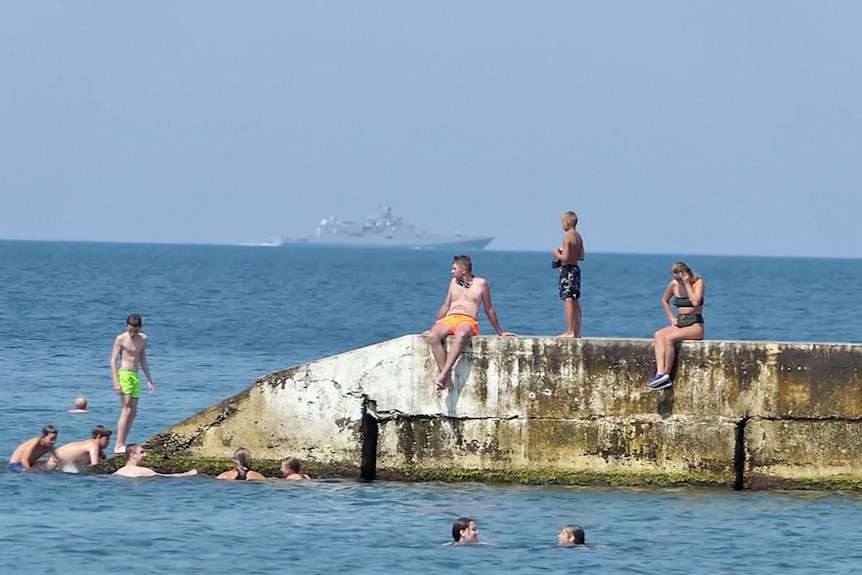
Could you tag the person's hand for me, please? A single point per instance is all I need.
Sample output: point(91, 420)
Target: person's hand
point(117, 389)
point(427, 331)
point(507, 334)
point(673, 321)
point(150, 387)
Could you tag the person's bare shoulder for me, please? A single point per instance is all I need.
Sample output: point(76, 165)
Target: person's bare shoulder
point(483, 284)
point(255, 475)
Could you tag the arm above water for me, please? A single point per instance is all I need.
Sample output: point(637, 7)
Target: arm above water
point(115, 354)
point(146, 367)
point(188, 473)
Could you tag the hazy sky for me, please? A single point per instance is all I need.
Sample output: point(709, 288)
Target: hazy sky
point(685, 127)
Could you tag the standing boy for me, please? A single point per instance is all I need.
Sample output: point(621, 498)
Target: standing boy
point(130, 348)
point(568, 256)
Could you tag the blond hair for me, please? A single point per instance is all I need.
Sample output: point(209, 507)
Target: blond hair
point(570, 219)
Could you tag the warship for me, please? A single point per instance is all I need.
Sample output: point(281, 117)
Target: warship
point(385, 231)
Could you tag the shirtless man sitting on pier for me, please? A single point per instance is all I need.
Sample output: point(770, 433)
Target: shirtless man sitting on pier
point(458, 316)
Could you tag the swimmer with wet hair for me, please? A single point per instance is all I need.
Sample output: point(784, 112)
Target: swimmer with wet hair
point(571, 535)
point(291, 468)
point(464, 531)
point(242, 470)
point(80, 405)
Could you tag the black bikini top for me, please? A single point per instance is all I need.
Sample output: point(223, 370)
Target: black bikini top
point(683, 301)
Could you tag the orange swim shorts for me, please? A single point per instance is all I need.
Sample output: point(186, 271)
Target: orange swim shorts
point(452, 321)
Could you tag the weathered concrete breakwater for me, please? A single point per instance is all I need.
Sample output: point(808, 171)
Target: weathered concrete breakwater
point(741, 414)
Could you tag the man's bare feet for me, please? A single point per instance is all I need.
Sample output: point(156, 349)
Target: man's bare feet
point(120, 449)
point(567, 334)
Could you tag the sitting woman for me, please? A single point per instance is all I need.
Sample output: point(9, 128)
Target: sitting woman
point(291, 468)
point(686, 289)
point(242, 467)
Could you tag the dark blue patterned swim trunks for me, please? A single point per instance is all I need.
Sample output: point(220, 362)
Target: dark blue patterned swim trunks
point(570, 281)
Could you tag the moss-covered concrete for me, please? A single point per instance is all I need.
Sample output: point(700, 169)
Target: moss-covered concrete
point(540, 410)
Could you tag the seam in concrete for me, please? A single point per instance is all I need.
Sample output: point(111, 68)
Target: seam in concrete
point(739, 455)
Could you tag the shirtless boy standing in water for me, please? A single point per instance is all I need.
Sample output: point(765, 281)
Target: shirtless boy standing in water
point(130, 348)
point(458, 317)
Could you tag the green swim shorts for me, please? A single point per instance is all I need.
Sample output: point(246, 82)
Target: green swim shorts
point(130, 384)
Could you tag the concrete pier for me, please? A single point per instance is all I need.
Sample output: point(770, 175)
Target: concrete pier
point(741, 414)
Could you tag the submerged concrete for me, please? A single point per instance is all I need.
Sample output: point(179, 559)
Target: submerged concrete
point(742, 414)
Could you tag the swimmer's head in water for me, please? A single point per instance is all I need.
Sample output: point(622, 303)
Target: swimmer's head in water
point(135, 452)
point(464, 530)
point(242, 458)
point(80, 402)
point(291, 465)
point(571, 535)
point(49, 435)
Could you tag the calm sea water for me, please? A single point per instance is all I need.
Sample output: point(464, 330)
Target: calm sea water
point(218, 317)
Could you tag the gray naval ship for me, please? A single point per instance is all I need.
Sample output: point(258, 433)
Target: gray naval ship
point(385, 231)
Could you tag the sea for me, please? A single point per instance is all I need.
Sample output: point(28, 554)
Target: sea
point(219, 317)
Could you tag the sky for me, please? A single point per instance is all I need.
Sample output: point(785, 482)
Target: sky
point(670, 127)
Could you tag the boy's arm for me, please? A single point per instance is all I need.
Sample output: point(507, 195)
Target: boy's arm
point(95, 454)
point(115, 354)
point(565, 253)
point(146, 367)
point(188, 473)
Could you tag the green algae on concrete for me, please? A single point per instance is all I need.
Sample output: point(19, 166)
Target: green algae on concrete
point(746, 414)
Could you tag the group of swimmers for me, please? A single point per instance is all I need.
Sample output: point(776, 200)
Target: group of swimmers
point(291, 467)
point(129, 354)
point(90, 452)
point(466, 532)
point(458, 316)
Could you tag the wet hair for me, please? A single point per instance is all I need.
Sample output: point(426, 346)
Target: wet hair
point(134, 320)
point(571, 219)
point(131, 449)
point(101, 431)
point(577, 533)
point(460, 525)
point(48, 430)
point(682, 268)
point(292, 463)
point(464, 261)
point(242, 459)
point(81, 402)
